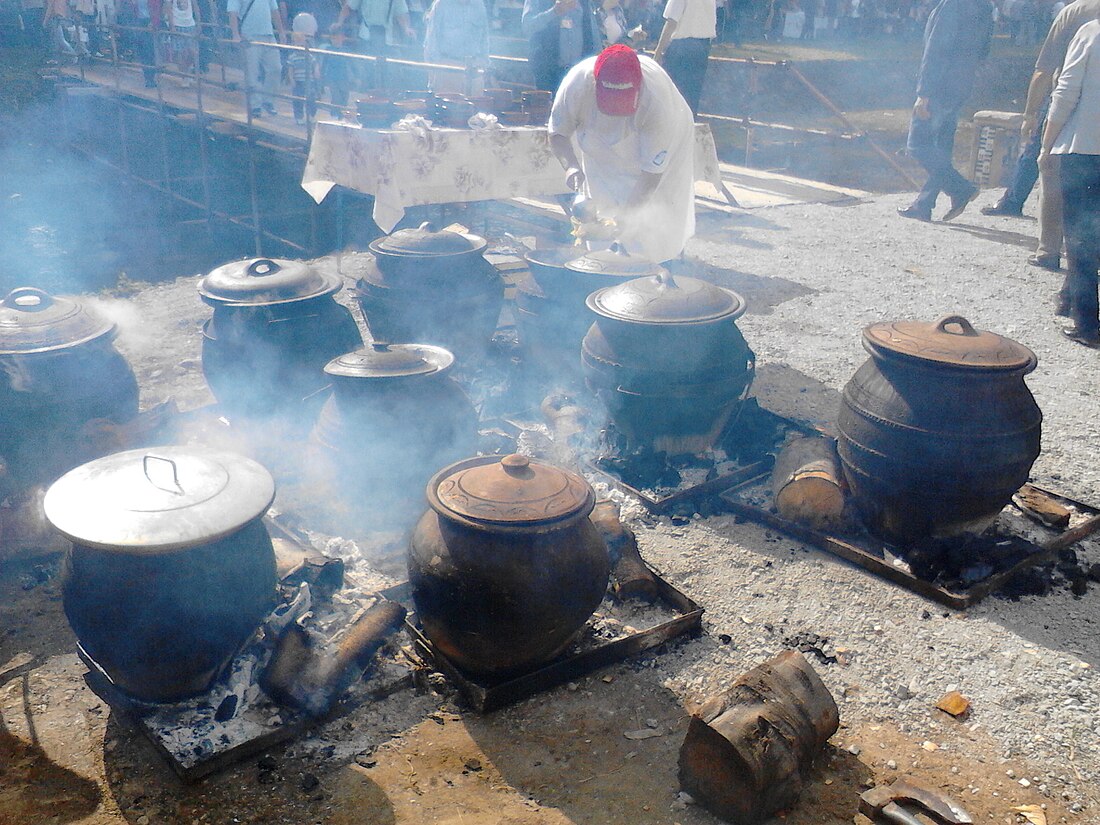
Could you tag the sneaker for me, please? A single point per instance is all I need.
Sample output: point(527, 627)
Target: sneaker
point(959, 204)
point(915, 213)
point(1002, 209)
point(257, 113)
point(1051, 262)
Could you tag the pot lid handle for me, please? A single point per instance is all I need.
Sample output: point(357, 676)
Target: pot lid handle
point(426, 226)
point(959, 321)
point(666, 280)
point(28, 299)
point(380, 346)
point(175, 474)
point(517, 465)
point(263, 266)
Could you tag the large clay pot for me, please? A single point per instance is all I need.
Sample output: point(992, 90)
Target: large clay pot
point(274, 328)
point(506, 566)
point(937, 429)
point(58, 371)
point(433, 287)
point(667, 360)
point(171, 567)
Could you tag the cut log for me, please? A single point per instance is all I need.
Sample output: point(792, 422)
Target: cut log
point(631, 578)
point(748, 749)
point(1042, 507)
point(806, 483)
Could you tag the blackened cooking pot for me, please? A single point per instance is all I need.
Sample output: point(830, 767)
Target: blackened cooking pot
point(171, 567)
point(58, 370)
point(666, 358)
point(506, 566)
point(937, 429)
point(275, 326)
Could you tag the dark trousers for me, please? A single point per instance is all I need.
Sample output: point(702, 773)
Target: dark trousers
point(686, 64)
point(932, 141)
point(1026, 171)
point(1081, 216)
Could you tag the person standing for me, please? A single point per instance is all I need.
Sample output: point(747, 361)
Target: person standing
point(457, 33)
point(561, 33)
point(1072, 134)
point(684, 45)
point(376, 28)
point(625, 136)
point(956, 39)
point(256, 21)
point(1048, 254)
point(184, 18)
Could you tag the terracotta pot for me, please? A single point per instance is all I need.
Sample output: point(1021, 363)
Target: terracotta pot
point(171, 568)
point(937, 429)
point(506, 566)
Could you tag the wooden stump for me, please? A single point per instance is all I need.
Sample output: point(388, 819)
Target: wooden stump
point(806, 483)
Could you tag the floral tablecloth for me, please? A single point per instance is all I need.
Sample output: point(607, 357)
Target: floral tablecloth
point(402, 169)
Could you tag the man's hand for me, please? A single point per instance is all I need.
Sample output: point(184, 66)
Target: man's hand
point(563, 7)
point(1027, 128)
point(574, 178)
point(920, 109)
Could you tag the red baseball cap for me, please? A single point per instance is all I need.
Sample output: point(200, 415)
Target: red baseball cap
point(618, 80)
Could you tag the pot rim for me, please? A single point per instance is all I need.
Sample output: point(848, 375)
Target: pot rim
point(997, 354)
point(330, 284)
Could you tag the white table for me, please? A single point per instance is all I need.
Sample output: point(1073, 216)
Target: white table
point(402, 169)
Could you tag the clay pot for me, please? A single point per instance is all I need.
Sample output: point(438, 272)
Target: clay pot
point(171, 568)
point(937, 429)
point(506, 566)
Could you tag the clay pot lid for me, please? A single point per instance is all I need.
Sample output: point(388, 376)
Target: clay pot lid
point(382, 360)
point(147, 502)
point(662, 299)
point(951, 341)
point(32, 320)
point(512, 491)
point(266, 281)
point(427, 241)
point(615, 261)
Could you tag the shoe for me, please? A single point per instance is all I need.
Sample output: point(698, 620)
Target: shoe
point(257, 113)
point(1051, 262)
point(1075, 334)
point(270, 108)
point(959, 204)
point(915, 213)
point(1003, 209)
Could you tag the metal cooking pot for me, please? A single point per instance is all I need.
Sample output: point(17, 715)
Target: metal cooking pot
point(426, 252)
point(58, 371)
point(274, 328)
point(171, 568)
point(506, 566)
point(937, 429)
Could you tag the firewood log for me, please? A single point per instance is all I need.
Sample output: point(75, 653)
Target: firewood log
point(806, 483)
point(748, 749)
point(630, 576)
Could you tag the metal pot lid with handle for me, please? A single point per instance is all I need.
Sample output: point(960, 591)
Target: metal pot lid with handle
point(153, 501)
point(427, 242)
point(381, 360)
point(491, 492)
point(663, 299)
point(614, 261)
point(32, 320)
point(266, 281)
point(950, 341)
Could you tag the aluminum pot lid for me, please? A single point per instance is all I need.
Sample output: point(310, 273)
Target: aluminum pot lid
point(614, 261)
point(266, 281)
point(381, 360)
point(158, 500)
point(32, 320)
point(512, 491)
point(663, 299)
point(952, 341)
point(427, 241)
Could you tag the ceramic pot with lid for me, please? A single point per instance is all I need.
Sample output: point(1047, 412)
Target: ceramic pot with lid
point(275, 326)
point(937, 429)
point(666, 358)
point(58, 370)
point(506, 566)
point(171, 567)
point(551, 315)
point(394, 416)
point(429, 286)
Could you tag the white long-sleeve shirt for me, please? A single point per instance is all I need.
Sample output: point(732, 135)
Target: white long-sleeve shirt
point(1076, 99)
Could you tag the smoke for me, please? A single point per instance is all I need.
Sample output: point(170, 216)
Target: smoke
point(134, 332)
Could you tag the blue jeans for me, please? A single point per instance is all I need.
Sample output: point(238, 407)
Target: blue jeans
point(932, 141)
point(1026, 171)
point(686, 64)
point(1081, 192)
